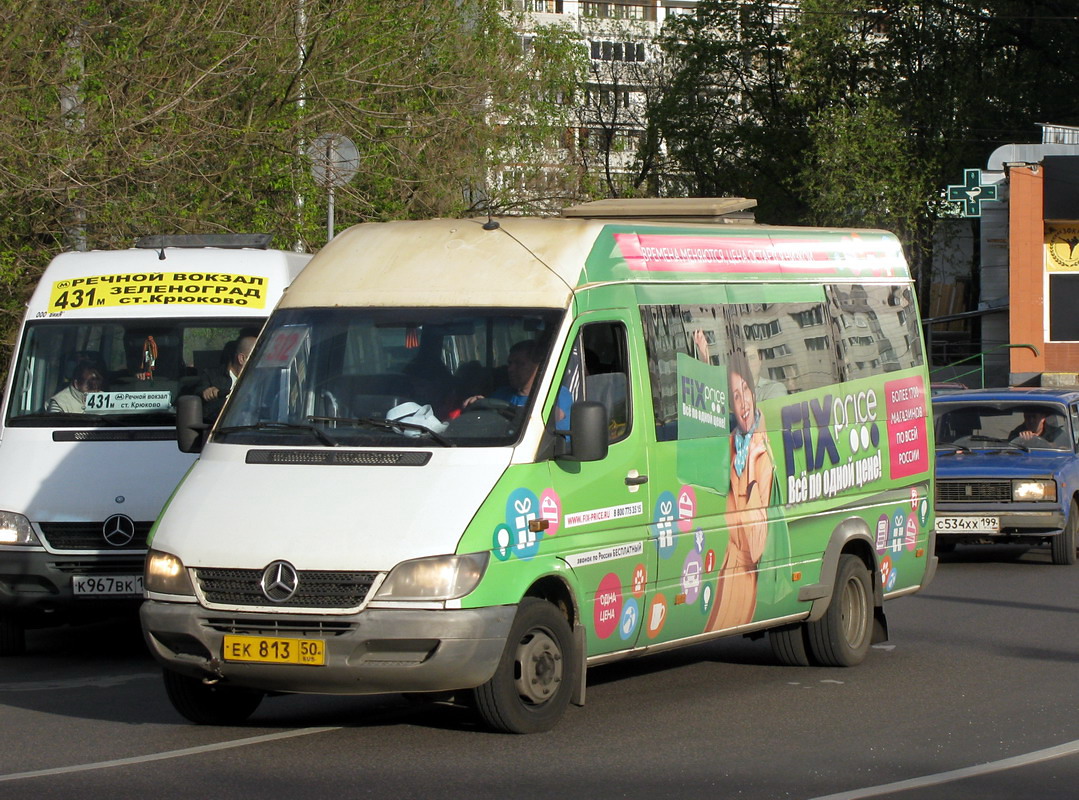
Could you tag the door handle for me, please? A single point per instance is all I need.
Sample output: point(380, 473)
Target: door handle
point(636, 480)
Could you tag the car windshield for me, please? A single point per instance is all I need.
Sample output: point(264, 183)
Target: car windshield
point(125, 372)
point(398, 377)
point(1012, 426)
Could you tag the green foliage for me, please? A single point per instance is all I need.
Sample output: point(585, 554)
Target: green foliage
point(126, 117)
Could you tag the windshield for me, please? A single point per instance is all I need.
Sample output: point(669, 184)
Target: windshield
point(987, 426)
point(119, 372)
point(390, 377)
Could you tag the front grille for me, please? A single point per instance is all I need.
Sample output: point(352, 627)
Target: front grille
point(974, 491)
point(90, 536)
point(279, 627)
point(100, 566)
point(315, 589)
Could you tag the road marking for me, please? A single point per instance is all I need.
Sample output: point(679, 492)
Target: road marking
point(103, 682)
point(187, 751)
point(1071, 748)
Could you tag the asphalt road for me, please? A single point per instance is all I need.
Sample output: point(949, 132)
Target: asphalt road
point(975, 696)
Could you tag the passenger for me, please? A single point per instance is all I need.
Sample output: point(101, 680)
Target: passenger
point(522, 365)
point(87, 377)
point(217, 382)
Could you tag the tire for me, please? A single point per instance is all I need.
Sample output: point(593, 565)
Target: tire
point(210, 704)
point(789, 645)
point(535, 677)
point(841, 638)
point(12, 637)
point(1063, 544)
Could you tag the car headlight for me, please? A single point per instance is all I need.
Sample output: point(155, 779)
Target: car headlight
point(166, 574)
point(16, 529)
point(438, 578)
point(1031, 491)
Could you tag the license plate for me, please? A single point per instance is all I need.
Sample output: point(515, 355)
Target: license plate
point(967, 525)
point(272, 650)
point(107, 585)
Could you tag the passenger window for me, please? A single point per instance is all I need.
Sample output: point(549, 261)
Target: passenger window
point(598, 370)
point(876, 329)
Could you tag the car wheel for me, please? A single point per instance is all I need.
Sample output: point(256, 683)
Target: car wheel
point(535, 677)
point(12, 637)
point(841, 638)
point(210, 704)
point(790, 646)
point(1063, 544)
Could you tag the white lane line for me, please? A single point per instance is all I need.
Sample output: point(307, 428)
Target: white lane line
point(1070, 748)
point(187, 751)
point(98, 682)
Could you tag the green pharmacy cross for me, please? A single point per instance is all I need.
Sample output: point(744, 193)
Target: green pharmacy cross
point(972, 193)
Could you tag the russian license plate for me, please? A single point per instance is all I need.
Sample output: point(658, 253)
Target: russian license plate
point(107, 585)
point(967, 525)
point(272, 650)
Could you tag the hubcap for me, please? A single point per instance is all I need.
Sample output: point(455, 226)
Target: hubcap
point(855, 611)
point(538, 665)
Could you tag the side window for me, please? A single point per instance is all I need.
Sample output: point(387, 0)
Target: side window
point(598, 370)
point(788, 346)
point(1074, 413)
point(685, 343)
point(876, 329)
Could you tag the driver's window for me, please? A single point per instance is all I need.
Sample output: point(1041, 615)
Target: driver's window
point(598, 370)
point(1075, 425)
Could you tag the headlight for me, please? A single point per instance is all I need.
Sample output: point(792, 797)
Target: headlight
point(16, 529)
point(166, 574)
point(438, 578)
point(1030, 491)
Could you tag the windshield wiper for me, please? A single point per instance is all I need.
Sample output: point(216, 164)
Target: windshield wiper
point(284, 427)
point(952, 448)
point(386, 425)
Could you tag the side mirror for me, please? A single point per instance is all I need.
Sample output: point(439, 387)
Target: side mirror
point(588, 436)
point(190, 429)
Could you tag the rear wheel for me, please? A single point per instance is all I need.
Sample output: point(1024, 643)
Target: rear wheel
point(534, 680)
point(210, 704)
point(12, 637)
point(841, 638)
point(1063, 544)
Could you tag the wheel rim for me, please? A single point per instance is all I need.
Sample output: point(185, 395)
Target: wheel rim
point(855, 613)
point(538, 667)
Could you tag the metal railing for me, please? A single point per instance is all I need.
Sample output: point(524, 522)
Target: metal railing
point(962, 370)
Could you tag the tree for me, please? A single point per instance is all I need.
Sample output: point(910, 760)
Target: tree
point(126, 117)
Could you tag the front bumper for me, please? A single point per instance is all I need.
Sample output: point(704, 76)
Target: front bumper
point(372, 652)
point(36, 583)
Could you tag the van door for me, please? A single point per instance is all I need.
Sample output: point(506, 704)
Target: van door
point(605, 505)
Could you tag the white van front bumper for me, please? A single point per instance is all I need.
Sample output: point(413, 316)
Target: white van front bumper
point(372, 652)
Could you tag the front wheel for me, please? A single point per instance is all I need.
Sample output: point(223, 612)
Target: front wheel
point(534, 680)
point(841, 638)
point(1063, 544)
point(210, 704)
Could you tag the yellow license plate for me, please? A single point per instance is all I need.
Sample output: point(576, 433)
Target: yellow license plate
point(271, 650)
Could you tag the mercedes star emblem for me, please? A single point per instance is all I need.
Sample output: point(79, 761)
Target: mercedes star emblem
point(279, 581)
point(118, 530)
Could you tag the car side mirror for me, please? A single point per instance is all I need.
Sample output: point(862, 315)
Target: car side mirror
point(588, 435)
point(190, 427)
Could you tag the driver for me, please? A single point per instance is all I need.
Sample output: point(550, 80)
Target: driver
point(1037, 422)
point(521, 366)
